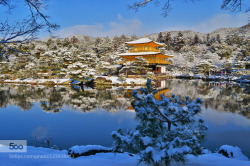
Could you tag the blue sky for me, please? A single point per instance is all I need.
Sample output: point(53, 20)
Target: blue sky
point(112, 17)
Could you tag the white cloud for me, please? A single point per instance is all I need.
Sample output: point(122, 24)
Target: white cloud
point(134, 26)
point(215, 22)
point(221, 21)
point(119, 27)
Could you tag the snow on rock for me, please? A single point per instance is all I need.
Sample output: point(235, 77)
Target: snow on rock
point(232, 152)
point(77, 151)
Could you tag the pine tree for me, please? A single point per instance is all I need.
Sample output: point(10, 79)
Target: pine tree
point(98, 41)
point(212, 40)
point(205, 66)
point(74, 40)
point(208, 40)
point(140, 66)
point(160, 38)
point(116, 42)
point(124, 38)
point(168, 41)
point(65, 42)
point(218, 38)
point(196, 39)
point(228, 65)
point(180, 41)
point(134, 37)
point(49, 42)
point(155, 142)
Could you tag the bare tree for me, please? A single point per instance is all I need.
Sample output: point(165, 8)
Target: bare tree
point(18, 31)
point(232, 5)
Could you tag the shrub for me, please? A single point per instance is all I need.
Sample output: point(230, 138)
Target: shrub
point(153, 140)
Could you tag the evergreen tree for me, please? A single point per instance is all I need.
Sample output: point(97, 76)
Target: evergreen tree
point(74, 40)
point(208, 40)
point(227, 65)
point(65, 42)
point(140, 66)
point(169, 41)
point(155, 142)
point(49, 42)
point(218, 38)
point(196, 39)
point(180, 42)
point(58, 42)
point(204, 66)
point(116, 42)
point(160, 38)
point(212, 40)
point(134, 37)
point(124, 38)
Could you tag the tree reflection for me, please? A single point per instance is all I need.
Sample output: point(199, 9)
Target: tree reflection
point(220, 97)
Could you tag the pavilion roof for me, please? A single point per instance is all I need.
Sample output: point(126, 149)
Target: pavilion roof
point(142, 54)
point(142, 41)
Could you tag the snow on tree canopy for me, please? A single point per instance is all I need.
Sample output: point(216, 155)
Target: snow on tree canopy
point(168, 129)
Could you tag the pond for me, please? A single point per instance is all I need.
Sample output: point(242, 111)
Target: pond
point(72, 115)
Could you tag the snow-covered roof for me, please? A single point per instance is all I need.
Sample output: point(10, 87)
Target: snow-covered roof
point(143, 40)
point(140, 53)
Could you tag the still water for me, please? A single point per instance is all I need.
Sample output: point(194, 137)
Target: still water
point(80, 116)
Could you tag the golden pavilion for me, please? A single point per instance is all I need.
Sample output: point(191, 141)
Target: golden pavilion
point(150, 51)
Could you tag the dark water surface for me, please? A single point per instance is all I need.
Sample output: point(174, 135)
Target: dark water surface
point(76, 116)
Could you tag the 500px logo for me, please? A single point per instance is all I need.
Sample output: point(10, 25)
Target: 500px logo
point(13, 146)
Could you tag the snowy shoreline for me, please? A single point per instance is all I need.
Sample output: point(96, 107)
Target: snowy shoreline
point(46, 156)
point(40, 81)
point(114, 80)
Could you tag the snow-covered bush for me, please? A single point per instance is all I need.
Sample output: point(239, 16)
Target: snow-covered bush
point(87, 150)
point(232, 152)
point(167, 130)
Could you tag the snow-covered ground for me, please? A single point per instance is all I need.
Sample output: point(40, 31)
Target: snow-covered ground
point(44, 156)
point(116, 80)
point(38, 81)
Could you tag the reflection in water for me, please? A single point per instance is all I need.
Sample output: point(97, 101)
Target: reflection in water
point(80, 117)
point(231, 97)
point(220, 97)
point(226, 128)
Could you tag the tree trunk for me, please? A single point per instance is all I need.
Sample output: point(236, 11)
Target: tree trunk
point(49, 71)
